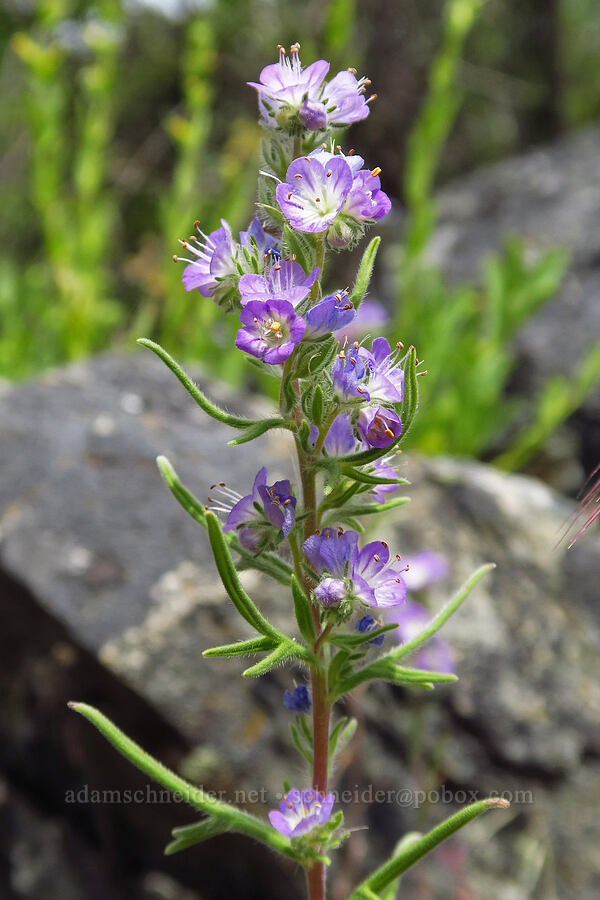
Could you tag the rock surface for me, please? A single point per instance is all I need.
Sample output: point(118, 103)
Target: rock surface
point(116, 571)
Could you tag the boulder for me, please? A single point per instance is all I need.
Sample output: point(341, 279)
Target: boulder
point(110, 588)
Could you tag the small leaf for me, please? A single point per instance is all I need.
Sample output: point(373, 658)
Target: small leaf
point(368, 478)
point(350, 641)
point(410, 402)
point(286, 650)
point(254, 431)
point(307, 754)
point(301, 246)
point(369, 509)
point(317, 406)
point(240, 648)
point(363, 276)
point(188, 835)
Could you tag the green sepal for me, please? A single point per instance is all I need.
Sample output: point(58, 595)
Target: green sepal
point(419, 847)
point(188, 835)
point(231, 582)
point(229, 817)
point(266, 561)
point(341, 735)
point(301, 246)
point(317, 406)
point(254, 431)
point(240, 648)
point(303, 611)
point(203, 402)
point(363, 276)
point(304, 436)
point(313, 356)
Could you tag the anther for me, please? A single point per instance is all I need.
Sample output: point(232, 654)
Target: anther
point(371, 98)
point(389, 432)
point(328, 173)
point(352, 70)
point(298, 175)
point(290, 195)
point(376, 557)
point(384, 544)
point(376, 171)
point(351, 152)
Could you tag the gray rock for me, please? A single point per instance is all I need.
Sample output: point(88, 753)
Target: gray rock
point(91, 532)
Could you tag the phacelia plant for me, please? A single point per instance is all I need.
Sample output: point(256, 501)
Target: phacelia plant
point(348, 406)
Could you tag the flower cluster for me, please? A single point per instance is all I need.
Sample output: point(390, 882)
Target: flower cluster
point(292, 98)
point(299, 811)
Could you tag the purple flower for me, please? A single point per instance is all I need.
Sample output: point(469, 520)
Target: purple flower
point(284, 85)
point(344, 98)
point(297, 700)
point(271, 330)
point(312, 195)
point(365, 201)
point(370, 314)
point(340, 437)
point(381, 467)
point(215, 258)
point(278, 505)
point(264, 242)
point(283, 280)
point(436, 654)
point(300, 811)
point(347, 374)
point(379, 426)
point(366, 574)
point(313, 115)
point(368, 623)
point(385, 374)
point(329, 314)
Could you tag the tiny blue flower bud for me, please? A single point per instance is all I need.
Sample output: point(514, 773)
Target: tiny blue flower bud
point(368, 623)
point(297, 700)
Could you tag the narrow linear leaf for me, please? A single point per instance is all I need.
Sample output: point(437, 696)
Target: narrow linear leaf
point(240, 648)
point(231, 582)
point(367, 478)
point(188, 835)
point(443, 615)
point(302, 750)
point(410, 402)
point(254, 431)
point(369, 509)
point(230, 817)
point(363, 276)
point(350, 641)
point(286, 650)
point(203, 402)
point(385, 670)
point(419, 848)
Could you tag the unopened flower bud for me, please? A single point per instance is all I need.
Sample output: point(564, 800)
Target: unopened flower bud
point(313, 115)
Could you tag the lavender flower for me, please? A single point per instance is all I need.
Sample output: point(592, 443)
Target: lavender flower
point(347, 375)
point(385, 379)
point(284, 85)
point(215, 258)
point(283, 280)
point(379, 426)
point(271, 330)
point(286, 91)
point(381, 467)
point(312, 195)
point(297, 700)
point(367, 574)
point(331, 313)
point(340, 437)
point(368, 623)
point(256, 234)
point(300, 811)
point(256, 515)
point(365, 202)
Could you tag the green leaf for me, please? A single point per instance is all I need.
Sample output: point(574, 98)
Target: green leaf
point(231, 818)
point(313, 356)
point(254, 431)
point(317, 406)
point(351, 641)
point(287, 650)
point(203, 402)
point(341, 735)
point(188, 835)
point(443, 615)
point(303, 611)
point(418, 848)
point(363, 276)
point(231, 582)
point(367, 478)
point(306, 753)
point(386, 670)
point(410, 402)
point(240, 648)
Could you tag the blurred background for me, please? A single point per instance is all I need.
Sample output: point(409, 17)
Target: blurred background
point(120, 124)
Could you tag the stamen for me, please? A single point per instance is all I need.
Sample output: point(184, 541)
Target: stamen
point(376, 171)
